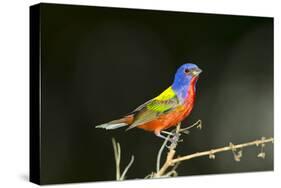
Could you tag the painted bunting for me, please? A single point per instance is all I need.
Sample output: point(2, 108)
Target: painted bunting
point(167, 109)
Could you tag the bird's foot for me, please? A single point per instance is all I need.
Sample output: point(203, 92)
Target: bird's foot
point(173, 138)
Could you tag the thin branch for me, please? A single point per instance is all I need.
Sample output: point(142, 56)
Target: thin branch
point(168, 169)
point(160, 153)
point(177, 133)
point(170, 155)
point(117, 156)
point(167, 164)
point(172, 172)
point(198, 124)
point(127, 168)
point(170, 161)
point(222, 149)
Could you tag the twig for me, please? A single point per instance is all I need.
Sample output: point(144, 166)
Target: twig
point(222, 149)
point(169, 157)
point(198, 124)
point(127, 168)
point(160, 153)
point(170, 161)
point(172, 172)
point(117, 156)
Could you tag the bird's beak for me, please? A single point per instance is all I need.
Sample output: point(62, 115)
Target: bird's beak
point(195, 71)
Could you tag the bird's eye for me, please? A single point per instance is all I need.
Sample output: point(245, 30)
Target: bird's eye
point(186, 71)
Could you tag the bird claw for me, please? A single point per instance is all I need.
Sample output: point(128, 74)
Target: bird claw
point(174, 140)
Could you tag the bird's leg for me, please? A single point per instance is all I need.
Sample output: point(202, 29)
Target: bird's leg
point(158, 133)
point(174, 135)
point(173, 138)
point(168, 133)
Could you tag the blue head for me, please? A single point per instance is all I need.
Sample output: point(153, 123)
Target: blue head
point(183, 78)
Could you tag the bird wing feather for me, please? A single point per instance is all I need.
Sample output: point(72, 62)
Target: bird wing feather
point(152, 109)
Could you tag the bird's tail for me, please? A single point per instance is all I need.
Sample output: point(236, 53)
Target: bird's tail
point(115, 124)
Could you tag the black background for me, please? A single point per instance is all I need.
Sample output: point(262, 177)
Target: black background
point(100, 63)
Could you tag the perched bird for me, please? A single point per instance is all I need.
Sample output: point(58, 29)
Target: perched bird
point(167, 109)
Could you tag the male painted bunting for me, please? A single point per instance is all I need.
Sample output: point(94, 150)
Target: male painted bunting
point(167, 109)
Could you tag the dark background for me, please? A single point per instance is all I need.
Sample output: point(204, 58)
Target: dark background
point(100, 63)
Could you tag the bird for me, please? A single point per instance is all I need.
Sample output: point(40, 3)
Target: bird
point(167, 109)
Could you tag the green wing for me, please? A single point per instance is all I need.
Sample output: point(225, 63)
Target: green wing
point(162, 106)
point(152, 109)
point(163, 102)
